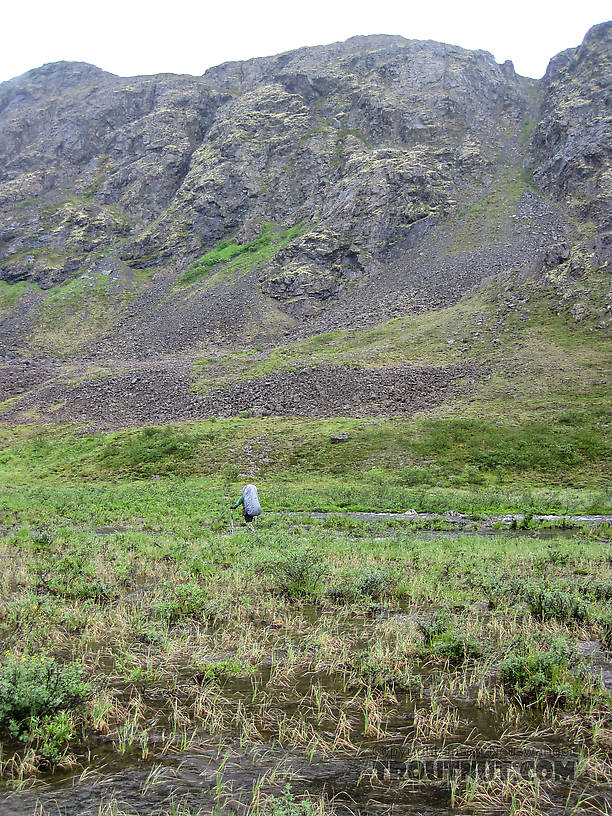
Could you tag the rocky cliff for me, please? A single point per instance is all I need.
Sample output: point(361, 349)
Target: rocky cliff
point(279, 198)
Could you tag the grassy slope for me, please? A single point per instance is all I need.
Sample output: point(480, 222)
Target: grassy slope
point(75, 312)
point(539, 360)
point(431, 464)
point(534, 432)
point(228, 260)
point(532, 435)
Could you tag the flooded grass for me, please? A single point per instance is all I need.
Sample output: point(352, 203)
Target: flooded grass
point(322, 665)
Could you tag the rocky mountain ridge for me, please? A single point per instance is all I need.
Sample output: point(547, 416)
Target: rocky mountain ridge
point(278, 198)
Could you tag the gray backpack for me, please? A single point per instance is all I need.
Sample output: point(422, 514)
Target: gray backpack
point(252, 507)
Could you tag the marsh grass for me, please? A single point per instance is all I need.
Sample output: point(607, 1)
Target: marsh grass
point(325, 640)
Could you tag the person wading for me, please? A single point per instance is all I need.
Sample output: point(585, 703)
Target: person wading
point(251, 508)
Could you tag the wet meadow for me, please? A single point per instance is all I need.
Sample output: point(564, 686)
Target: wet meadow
point(387, 640)
point(316, 664)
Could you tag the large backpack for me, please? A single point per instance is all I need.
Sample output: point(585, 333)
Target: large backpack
point(252, 507)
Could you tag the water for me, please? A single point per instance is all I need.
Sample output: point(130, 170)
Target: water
point(223, 768)
point(294, 733)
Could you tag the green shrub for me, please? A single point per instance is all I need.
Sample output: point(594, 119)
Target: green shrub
point(286, 804)
point(51, 735)
point(229, 474)
point(532, 446)
point(413, 476)
point(376, 673)
point(373, 583)
point(554, 555)
point(597, 589)
point(69, 576)
point(539, 676)
point(190, 600)
point(440, 638)
point(456, 648)
point(148, 452)
point(299, 573)
point(42, 541)
point(545, 604)
point(151, 632)
point(33, 690)
point(472, 475)
point(501, 587)
point(434, 628)
point(370, 583)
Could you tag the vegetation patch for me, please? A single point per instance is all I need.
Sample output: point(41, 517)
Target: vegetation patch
point(11, 294)
point(532, 358)
point(147, 452)
point(541, 676)
point(189, 600)
point(37, 695)
point(486, 220)
point(370, 583)
point(550, 602)
point(429, 465)
point(228, 645)
point(240, 258)
point(299, 572)
point(77, 311)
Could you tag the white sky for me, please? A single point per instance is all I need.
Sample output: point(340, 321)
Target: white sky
point(131, 37)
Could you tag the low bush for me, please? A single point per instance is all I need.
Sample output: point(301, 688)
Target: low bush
point(34, 691)
point(414, 476)
point(69, 576)
point(42, 541)
point(299, 573)
point(287, 804)
point(501, 587)
point(373, 583)
point(224, 669)
point(596, 589)
point(190, 600)
point(433, 629)
point(456, 648)
point(554, 555)
point(545, 604)
point(539, 677)
point(51, 735)
point(148, 452)
point(370, 583)
point(441, 638)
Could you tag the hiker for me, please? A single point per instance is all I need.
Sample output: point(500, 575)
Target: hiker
point(250, 503)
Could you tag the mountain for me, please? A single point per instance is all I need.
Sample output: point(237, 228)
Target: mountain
point(165, 240)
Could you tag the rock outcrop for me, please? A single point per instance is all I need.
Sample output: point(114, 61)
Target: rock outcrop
point(572, 144)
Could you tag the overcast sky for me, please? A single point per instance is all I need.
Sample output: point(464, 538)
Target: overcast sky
point(131, 37)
